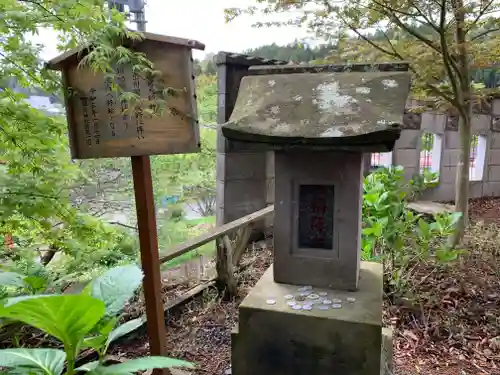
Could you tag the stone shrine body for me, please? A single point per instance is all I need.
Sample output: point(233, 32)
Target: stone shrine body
point(318, 309)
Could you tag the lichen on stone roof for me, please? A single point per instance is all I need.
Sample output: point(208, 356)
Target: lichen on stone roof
point(320, 108)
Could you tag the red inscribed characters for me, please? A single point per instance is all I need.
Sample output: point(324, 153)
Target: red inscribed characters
point(317, 227)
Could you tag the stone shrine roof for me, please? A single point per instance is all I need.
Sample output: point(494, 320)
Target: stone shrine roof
point(345, 109)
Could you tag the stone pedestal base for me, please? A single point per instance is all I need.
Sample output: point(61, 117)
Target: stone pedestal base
point(277, 340)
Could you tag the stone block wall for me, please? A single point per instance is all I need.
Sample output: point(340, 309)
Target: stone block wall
point(484, 177)
point(242, 169)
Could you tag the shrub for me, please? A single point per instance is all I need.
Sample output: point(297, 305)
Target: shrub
point(397, 236)
point(176, 212)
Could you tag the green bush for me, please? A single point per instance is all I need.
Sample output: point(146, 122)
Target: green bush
point(176, 212)
point(397, 236)
point(28, 277)
point(78, 322)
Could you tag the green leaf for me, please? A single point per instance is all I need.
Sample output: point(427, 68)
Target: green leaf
point(368, 231)
point(88, 366)
point(140, 364)
point(424, 227)
point(100, 342)
point(36, 283)
point(107, 325)
point(50, 361)
point(446, 255)
point(94, 342)
point(455, 217)
point(14, 300)
point(116, 286)
point(68, 318)
point(12, 279)
point(370, 198)
point(124, 329)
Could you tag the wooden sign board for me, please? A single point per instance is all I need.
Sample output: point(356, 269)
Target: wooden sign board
point(98, 121)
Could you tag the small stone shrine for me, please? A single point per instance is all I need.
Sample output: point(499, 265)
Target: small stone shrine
point(318, 309)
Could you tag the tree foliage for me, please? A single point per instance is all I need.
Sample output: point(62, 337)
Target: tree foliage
point(296, 51)
point(37, 175)
point(206, 66)
point(49, 203)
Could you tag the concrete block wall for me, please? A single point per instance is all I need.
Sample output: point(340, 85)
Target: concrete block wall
point(485, 177)
point(242, 169)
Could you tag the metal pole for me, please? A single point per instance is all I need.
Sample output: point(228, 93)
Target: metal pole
point(140, 19)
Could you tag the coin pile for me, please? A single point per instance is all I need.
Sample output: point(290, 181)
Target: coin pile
point(307, 299)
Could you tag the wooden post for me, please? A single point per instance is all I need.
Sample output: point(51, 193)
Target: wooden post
point(146, 223)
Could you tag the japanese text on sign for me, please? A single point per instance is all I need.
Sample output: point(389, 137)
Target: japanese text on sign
point(86, 120)
point(110, 104)
point(95, 120)
point(122, 82)
point(139, 115)
point(151, 95)
point(316, 216)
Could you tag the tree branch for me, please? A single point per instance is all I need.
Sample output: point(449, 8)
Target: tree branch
point(389, 12)
point(481, 13)
point(484, 33)
point(446, 56)
point(392, 14)
point(123, 225)
point(428, 20)
point(464, 94)
point(370, 42)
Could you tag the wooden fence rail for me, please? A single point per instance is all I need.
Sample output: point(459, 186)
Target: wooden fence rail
point(231, 241)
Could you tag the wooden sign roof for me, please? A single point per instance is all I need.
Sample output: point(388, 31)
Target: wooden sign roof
point(58, 63)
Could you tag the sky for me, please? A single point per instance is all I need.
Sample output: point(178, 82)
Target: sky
point(203, 20)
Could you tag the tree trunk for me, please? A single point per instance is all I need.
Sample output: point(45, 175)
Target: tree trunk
point(242, 241)
point(226, 282)
point(464, 125)
point(462, 181)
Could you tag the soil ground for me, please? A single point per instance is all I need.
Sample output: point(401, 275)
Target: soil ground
point(452, 329)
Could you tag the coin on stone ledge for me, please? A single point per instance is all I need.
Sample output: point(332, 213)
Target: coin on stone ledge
point(323, 307)
point(307, 307)
point(297, 307)
point(288, 296)
point(291, 303)
point(351, 299)
point(336, 300)
point(336, 306)
point(271, 301)
point(305, 294)
point(327, 302)
point(323, 294)
point(312, 296)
